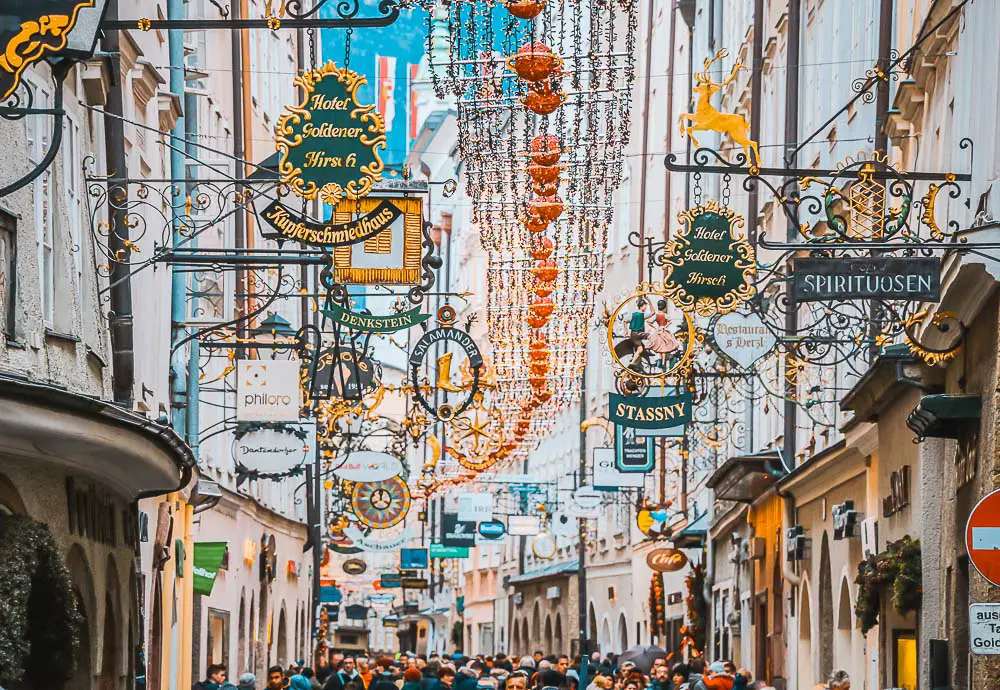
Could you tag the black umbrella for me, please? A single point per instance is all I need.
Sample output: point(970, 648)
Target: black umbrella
point(642, 656)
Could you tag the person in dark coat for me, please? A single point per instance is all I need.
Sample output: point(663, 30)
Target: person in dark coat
point(412, 678)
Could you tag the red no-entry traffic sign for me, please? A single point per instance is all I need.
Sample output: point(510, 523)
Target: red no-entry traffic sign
point(982, 537)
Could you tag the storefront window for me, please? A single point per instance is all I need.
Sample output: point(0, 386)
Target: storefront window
point(218, 637)
point(905, 660)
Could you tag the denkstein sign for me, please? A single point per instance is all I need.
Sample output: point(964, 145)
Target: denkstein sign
point(879, 278)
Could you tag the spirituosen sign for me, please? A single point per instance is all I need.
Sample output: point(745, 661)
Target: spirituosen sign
point(370, 323)
point(329, 144)
point(290, 225)
point(709, 266)
point(669, 412)
point(881, 278)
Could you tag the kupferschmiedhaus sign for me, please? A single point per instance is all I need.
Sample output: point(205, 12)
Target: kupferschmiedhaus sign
point(290, 225)
point(709, 265)
point(329, 144)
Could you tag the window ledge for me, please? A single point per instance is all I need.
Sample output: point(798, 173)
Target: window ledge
point(56, 335)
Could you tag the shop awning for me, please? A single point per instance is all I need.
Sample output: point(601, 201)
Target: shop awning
point(693, 536)
point(944, 416)
point(208, 557)
point(744, 478)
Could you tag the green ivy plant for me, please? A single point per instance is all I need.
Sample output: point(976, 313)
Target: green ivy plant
point(39, 620)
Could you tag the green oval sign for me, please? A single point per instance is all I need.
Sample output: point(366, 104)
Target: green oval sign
point(709, 266)
point(329, 144)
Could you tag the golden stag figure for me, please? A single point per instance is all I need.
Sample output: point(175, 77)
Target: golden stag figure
point(706, 118)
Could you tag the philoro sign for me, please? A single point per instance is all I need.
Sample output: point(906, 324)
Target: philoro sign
point(268, 391)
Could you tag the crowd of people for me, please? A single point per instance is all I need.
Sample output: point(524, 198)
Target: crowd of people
point(500, 672)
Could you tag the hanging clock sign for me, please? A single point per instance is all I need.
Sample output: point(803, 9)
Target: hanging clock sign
point(453, 345)
point(328, 145)
point(709, 266)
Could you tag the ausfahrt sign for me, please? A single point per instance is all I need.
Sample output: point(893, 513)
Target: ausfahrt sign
point(862, 277)
point(984, 628)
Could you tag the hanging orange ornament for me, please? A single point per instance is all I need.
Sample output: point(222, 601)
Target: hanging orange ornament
point(546, 149)
point(546, 271)
point(547, 208)
point(542, 249)
point(526, 9)
point(534, 62)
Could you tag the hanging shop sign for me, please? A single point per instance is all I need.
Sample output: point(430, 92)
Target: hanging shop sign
point(383, 504)
point(208, 557)
point(354, 566)
point(914, 278)
point(414, 583)
point(367, 466)
point(743, 337)
point(650, 337)
point(274, 448)
point(34, 31)
point(607, 477)
point(381, 599)
point(328, 145)
point(288, 224)
point(475, 507)
point(442, 551)
point(375, 323)
point(449, 342)
point(544, 546)
point(899, 492)
point(330, 594)
point(361, 542)
point(355, 612)
point(491, 530)
point(455, 532)
point(523, 525)
point(664, 413)
point(413, 559)
point(633, 453)
point(391, 257)
point(564, 525)
point(652, 521)
point(346, 373)
point(666, 560)
point(709, 265)
point(390, 581)
point(267, 391)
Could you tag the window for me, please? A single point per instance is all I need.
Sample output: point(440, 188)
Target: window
point(38, 145)
point(8, 274)
point(218, 637)
point(74, 191)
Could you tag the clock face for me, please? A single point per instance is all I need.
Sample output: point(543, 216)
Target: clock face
point(544, 546)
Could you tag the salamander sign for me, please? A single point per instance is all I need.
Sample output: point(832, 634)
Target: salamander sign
point(882, 278)
point(329, 144)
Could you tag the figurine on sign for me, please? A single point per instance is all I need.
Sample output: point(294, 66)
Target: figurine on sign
point(661, 340)
point(650, 333)
point(706, 118)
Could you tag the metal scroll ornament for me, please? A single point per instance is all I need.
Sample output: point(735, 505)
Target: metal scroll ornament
point(329, 144)
point(709, 266)
point(383, 504)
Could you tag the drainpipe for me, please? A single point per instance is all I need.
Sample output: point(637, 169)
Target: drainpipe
point(670, 118)
point(791, 146)
point(787, 519)
point(120, 318)
point(178, 279)
point(756, 79)
point(645, 146)
point(194, 348)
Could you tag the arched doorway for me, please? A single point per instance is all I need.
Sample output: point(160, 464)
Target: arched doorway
point(110, 655)
point(83, 591)
point(10, 499)
point(515, 639)
point(251, 638)
point(592, 624)
point(536, 627)
point(547, 646)
point(845, 624)
point(806, 674)
point(557, 643)
point(622, 633)
point(525, 641)
point(241, 637)
point(825, 610)
point(282, 639)
point(605, 639)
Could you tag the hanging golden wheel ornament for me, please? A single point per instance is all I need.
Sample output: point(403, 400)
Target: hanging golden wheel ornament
point(383, 504)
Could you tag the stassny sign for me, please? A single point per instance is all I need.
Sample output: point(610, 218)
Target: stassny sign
point(881, 278)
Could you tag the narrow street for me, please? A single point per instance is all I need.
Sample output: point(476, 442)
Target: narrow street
point(499, 345)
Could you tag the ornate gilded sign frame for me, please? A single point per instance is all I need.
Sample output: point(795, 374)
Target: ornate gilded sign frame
point(289, 136)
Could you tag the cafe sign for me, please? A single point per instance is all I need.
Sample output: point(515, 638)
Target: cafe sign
point(915, 278)
point(709, 265)
point(328, 145)
point(666, 560)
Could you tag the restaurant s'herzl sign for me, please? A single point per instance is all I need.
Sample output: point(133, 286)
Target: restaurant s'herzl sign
point(709, 265)
point(290, 225)
point(329, 144)
point(880, 277)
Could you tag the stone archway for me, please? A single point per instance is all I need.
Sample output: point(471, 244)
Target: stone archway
point(525, 640)
point(241, 637)
point(109, 678)
point(592, 624)
point(845, 626)
point(282, 638)
point(806, 674)
point(622, 633)
point(605, 639)
point(536, 627)
point(557, 643)
point(547, 645)
point(515, 638)
point(10, 500)
point(826, 618)
point(83, 591)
